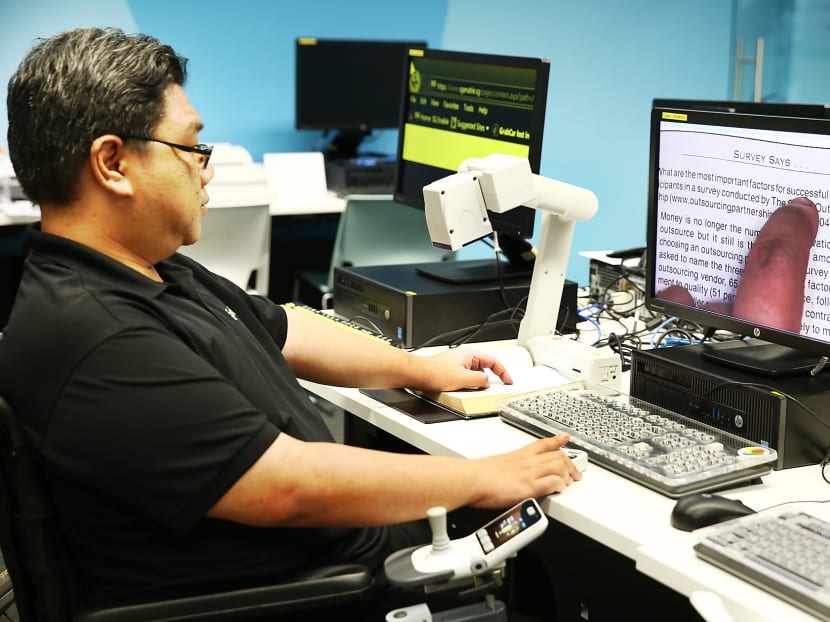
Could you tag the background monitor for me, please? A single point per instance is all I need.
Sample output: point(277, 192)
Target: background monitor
point(715, 179)
point(779, 109)
point(460, 105)
point(350, 87)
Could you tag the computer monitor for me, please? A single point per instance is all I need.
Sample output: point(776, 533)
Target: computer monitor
point(778, 109)
point(715, 180)
point(350, 86)
point(460, 105)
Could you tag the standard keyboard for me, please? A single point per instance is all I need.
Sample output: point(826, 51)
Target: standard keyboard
point(784, 552)
point(653, 446)
point(341, 322)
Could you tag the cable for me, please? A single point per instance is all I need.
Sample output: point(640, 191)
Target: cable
point(687, 338)
point(617, 344)
point(596, 324)
point(783, 503)
point(499, 270)
point(362, 319)
point(660, 327)
point(819, 366)
point(760, 385)
point(590, 319)
point(462, 335)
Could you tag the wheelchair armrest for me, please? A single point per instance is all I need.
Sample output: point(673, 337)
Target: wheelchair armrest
point(322, 587)
point(6, 591)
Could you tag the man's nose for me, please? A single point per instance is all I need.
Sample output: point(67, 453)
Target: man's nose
point(207, 174)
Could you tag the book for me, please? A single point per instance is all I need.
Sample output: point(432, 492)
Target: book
point(527, 378)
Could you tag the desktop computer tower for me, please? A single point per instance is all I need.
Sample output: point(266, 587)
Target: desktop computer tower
point(604, 278)
point(361, 175)
point(400, 302)
point(679, 379)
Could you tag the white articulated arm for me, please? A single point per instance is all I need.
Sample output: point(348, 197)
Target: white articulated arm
point(456, 212)
point(561, 205)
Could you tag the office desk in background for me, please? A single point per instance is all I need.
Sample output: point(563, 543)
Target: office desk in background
point(302, 237)
point(14, 218)
point(610, 552)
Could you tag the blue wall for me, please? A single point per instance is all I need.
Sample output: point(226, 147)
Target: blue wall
point(608, 59)
point(242, 70)
point(241, 74)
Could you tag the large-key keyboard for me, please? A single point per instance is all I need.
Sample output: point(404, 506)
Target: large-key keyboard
point(782, 551)
point(653, 446)
point(350, 325)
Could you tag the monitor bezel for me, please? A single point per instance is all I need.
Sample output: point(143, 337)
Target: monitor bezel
point(518, 222)
point(704, 317)
point(778, 109)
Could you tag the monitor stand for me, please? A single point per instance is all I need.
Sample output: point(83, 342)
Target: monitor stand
point(760, 357)
point(345, 144)
point(519, 254)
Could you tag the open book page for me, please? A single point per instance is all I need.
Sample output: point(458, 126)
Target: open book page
point(527, 378)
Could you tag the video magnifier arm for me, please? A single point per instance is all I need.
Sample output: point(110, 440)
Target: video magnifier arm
point(456, 213)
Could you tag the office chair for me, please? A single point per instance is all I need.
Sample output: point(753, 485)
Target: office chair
point(373, 230)
point(236, 243)
point(44, 581)
point(236, 231)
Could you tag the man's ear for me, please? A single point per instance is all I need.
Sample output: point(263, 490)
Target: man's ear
point(109, 166)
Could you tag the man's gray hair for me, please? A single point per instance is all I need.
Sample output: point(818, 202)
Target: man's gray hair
point(74, 87)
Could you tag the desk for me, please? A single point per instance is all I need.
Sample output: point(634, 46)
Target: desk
point(238, 230)
point(302, 238)
point(18, 213)
point(331, 203)
point(14, 218)
point(671, 560)
point(617, 517)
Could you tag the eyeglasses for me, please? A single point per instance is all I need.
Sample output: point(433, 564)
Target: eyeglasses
point(203, 150)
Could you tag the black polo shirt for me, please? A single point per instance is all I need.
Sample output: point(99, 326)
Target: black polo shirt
point(146, 401)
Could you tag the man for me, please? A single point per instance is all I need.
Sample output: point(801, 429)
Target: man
point(162, 400)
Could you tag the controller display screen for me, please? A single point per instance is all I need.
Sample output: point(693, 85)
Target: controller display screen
point(511, 524)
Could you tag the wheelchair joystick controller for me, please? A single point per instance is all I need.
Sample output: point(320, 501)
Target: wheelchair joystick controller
point(486, 549)
point(437, 517)
point(470, 558)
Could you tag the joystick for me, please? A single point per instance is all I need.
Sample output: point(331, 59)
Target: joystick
point(486, 549)
point(437, 517)
point(479, 558)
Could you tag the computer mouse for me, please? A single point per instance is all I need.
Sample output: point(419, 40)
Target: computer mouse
point(703, 509)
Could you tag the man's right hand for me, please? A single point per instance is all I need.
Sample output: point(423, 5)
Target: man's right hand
point(535, 470)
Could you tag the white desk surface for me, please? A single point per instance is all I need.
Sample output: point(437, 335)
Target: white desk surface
point(18, 213)
point(610, 509)
point(23, 212)
point(331, 203)
point(579, 506)
point(670, 559)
